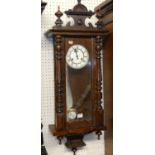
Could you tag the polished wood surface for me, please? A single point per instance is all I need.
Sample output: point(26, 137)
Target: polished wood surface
point(104, 13)
point(108, 93)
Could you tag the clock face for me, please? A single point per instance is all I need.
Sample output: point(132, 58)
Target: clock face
point(77, 56)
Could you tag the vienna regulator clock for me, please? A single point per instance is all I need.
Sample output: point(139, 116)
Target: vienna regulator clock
point(78, 77)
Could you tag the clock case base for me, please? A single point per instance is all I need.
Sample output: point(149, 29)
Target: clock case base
point(74, 140)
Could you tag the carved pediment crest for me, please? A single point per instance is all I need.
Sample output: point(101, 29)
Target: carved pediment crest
point(79, 13)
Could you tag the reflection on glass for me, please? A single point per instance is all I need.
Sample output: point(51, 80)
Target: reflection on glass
point(78, 91)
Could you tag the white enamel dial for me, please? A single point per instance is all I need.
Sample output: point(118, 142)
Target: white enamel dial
point(77, 56)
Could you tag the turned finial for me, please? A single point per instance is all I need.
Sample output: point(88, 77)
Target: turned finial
point(58, 15)
point(58, 7)
point(79, 1)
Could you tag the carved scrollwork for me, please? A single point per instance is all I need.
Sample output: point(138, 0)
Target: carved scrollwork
point(58, 14)
point(79, 14)
point(99, 24)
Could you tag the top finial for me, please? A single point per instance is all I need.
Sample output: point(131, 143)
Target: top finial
point(58, 8)
point(79, 1)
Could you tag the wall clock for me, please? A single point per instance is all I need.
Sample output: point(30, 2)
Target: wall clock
point(78, 77)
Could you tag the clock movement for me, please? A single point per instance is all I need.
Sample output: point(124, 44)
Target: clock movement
point(78, 77)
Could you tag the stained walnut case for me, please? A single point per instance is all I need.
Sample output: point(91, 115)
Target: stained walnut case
point(78, 77)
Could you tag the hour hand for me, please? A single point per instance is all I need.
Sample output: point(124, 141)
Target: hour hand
point(75, 50)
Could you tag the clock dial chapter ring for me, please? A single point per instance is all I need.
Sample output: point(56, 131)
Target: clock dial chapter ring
point(77, 56)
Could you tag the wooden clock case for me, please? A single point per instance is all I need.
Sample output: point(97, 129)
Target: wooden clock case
point(104, 12)
point(93, 39)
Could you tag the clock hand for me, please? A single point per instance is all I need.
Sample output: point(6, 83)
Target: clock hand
point(75, 50)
